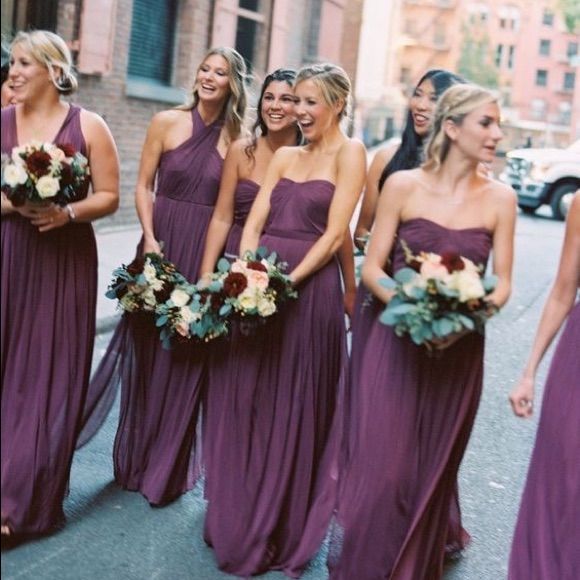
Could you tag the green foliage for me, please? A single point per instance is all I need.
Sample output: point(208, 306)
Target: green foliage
point(475, 61)
point(570, 10)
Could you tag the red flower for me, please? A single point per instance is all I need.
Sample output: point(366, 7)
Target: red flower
point(278, 285)
point(415, 265)
point(67, 149)
point(255, 265)
point(38, 163)
point(66, 175)
point(136, 266)
point(217, 301)
point(165, 292)
point(452, 261)
point(234, 284)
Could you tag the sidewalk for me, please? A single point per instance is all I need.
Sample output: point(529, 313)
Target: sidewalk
point(115, 247)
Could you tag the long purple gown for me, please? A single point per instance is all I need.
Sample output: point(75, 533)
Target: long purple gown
point(160, 389)
point(416, 415)
point(546, 543)
point(49, 294)
point(271, 502)
point(216, 384)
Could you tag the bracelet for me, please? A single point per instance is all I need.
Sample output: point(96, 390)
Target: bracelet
point(71, 212)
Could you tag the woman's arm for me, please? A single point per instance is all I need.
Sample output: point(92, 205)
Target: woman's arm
point(503, 246)
point(391, 201)
point(258, 215)
point(351, 164)
point(346, 259)
point(150, 157)
point(559, 304)
point(223, 214)
point(371, 196)
point(104, 164)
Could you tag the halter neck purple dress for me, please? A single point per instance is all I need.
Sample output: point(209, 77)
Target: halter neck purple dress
point(160, 389)
point(49, 293)
point(546, 543)
point(416, 415)
point(269, 505)
point(244, 196)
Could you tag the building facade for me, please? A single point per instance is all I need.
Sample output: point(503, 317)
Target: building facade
point(137, 57)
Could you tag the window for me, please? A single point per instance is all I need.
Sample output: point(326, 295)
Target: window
point(572, 49)
point(152, 40)
point(511, 55)
point(548, 18)
point(569, 81)
point(509, 17)
point(565, 110)
point(545, 46)
point(248, 31)
point(541, 78)
point(539, 109)
point(498, 55)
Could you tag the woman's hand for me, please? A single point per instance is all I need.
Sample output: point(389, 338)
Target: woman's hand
point(151, 246)
point(45, 217)
point(522, 397)
point(440, 344)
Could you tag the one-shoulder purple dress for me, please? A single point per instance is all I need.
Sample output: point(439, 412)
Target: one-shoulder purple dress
point(216, 385)
point(270, 504)
point(49, 293)
point(546, 543)
point(416, 415)
point(161, 389)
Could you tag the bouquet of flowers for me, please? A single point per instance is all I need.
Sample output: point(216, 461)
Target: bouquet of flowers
point(438, 295)
point(190, 315)
point(147, 282)
point(40, 172)
point(251, 289)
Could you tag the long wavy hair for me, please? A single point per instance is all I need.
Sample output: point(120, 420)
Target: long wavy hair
point(260, 129)
point(51, 51)
point(409, 153)
point(454, 105)
point(235, 105)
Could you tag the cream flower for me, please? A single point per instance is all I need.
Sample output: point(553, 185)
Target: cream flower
point(149, 300)
point(188, 315)
point(248, 300)
point(266, 307)
point(149, 271)
point(56, 154)
point(257, 280)
point(239, 266)
point(468, 285)
point(433, 269)
point(14, 174)
point(179, 297)
point(47, 186)
point(17, 153)
point(182, 328)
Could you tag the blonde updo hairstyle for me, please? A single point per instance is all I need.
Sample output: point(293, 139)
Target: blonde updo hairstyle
point(51, 51)
point(333, 83)
point(453, 105)
point(235, 105)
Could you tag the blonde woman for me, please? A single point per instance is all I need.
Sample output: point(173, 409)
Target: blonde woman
point(49, 289)
point(177, 188)
point(270, 502)
point(416, 410)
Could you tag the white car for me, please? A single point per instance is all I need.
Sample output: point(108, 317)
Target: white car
point(542, 176)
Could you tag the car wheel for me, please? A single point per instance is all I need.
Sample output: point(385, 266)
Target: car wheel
point(561, 200)
point(528, 210)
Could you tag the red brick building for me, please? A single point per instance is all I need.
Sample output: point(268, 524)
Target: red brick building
point(137, 57)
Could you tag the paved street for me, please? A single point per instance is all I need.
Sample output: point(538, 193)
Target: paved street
point(114, 535)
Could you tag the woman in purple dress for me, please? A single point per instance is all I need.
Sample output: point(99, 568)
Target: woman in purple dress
point(547, 535)
point(270, 504)
point(160, 390)
point(49, 289)
point(244, 171)
point(416, 407)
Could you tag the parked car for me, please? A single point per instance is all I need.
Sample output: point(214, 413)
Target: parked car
point(544, 176)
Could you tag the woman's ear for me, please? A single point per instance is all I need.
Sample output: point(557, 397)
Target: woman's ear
point(450, 129)
point(339, 107)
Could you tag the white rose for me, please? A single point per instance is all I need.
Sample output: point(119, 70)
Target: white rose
point(17, 153)
point(179, 297)
point(257, 280)
point(468, 285)
point(15, 175)
point(149, 299)
point(266, 307)
point(149, 271)
point(47, 186)
point(127, 303)
point(239, 266)
point(188, 315)
point(248, 299)
point(156, 285)
point(56, 154)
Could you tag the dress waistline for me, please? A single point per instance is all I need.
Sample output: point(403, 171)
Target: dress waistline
point(292, 234)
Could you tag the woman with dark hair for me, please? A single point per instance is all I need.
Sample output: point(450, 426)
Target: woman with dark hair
point(49, 288)
point(244, 171)
point(7, 94)
point(177, 188)
point(417, 404)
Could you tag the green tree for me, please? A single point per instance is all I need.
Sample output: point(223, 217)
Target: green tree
point(571, 11)
point(475, 62)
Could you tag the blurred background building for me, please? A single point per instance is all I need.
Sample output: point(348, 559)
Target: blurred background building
point(137, 57)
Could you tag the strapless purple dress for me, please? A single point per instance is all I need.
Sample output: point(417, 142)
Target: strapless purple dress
point(271, 502)
point(244, 196)
point(546, 543)
point(160, 389)
point(416, 413)
point(49, 298)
